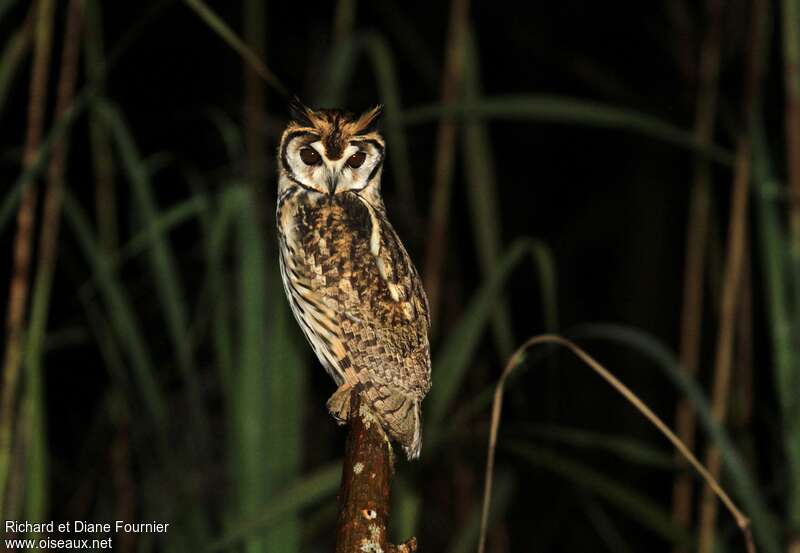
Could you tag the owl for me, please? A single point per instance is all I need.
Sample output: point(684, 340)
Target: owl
point(349, 281)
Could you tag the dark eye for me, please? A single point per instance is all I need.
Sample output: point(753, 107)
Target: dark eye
point(357, 160)
point(309, 156)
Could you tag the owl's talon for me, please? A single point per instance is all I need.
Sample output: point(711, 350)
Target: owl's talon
point(339, 403)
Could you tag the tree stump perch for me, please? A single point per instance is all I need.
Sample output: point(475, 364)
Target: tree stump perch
point(365, 491)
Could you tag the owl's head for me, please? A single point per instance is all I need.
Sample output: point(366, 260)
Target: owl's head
point(331, 151)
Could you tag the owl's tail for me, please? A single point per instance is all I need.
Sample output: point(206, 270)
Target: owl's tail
point(415, 447)
point(399, 413)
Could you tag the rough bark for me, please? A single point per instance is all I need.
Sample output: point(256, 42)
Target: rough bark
point(365, 492)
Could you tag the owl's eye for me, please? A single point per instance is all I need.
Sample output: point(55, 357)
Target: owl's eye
point(310, 156)
point(356, 160)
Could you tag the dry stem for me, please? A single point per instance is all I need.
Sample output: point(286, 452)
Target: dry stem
point(723, 360)
point(445, 154)
point(497, 405)
point(20, 279)
point(696, 249)
point(737, 230)
point(364, 495)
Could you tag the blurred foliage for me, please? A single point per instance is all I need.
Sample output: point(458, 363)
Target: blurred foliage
point(189, 396)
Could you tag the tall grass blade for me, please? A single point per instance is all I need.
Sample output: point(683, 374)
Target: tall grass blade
point(184, 211)
point(285, 394)
point(790, 375)
point(269, 394)
point(254, 23)
point(18, 291)
point(604, 526)
point(216, 228)
point(628, 395)
point(790, 18)
point(35, 169)
point(102, 159)
point(626, 449)
point(482, 195)
point(723, 359)
point(342, 66)
point(37, 472)
point(409, 42)
point(482, 401)
point(14, 53)
point(109, 350)
point(406, 504)
point(5, 6)
point(769, 192)
point(453, 359)
point(120, 314)
point(383, 65)
point(558, 109)
point(321, 484)
point(695, 259)
point(466, 538)
point(230, 134)
point(166, 221)
point(444, 158)
point(224, 31)
point(162, 260)
point(741, 481)
point(637, 506)
point(779, 288)
point(216, 232)
point(343, 20)
point(250, 412)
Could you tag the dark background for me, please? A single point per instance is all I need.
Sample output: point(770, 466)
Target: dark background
point(611, 205)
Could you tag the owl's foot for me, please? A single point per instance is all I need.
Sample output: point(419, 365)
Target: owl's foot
point(339, 403)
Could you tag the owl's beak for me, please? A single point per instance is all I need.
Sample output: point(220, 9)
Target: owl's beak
point(333, 182)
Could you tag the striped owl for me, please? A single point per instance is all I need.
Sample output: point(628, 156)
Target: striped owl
point(350, 282)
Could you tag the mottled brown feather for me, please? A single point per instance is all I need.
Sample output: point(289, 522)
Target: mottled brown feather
point(354, 290)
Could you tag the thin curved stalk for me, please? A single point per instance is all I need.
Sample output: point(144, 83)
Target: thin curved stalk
point(516, 359)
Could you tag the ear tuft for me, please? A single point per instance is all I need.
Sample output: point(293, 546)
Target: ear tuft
point(299, 112)
point(368, 121)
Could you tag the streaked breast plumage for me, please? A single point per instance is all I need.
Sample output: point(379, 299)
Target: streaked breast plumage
point(350, 282)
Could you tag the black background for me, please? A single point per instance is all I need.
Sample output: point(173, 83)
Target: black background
point(611, 204)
